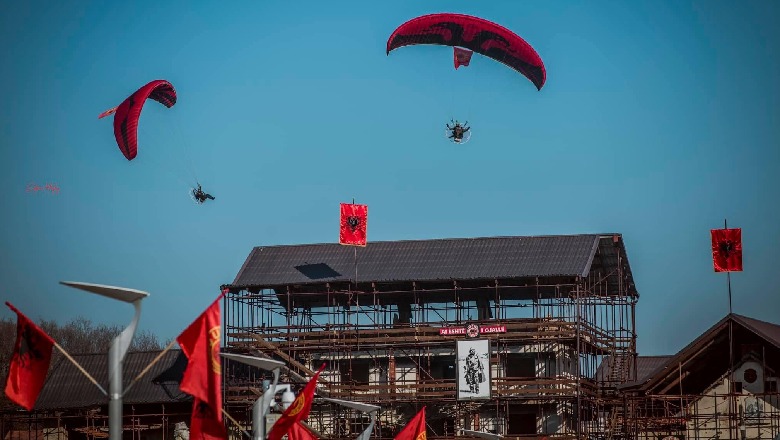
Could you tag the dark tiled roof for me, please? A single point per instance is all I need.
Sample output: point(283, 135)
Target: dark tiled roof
point(67, 387)
point(765, 330)
point(645, 365)
point(423, 260)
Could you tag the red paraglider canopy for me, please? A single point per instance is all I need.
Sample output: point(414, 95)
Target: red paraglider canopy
point(474, 33)
point(128, 112)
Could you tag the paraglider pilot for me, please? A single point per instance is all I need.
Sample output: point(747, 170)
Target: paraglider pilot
point(201, 196)
point(457, 130)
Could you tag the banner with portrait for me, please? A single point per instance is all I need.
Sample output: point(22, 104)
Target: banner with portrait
point(473, 363)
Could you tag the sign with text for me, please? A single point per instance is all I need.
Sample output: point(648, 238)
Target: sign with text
point(472, 330)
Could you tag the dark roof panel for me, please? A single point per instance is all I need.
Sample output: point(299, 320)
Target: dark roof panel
point(420, 260)
point(645, 366)
point(766, 330)
point(67, 387)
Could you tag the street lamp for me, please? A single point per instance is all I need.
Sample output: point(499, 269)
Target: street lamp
point(118, 350)
point(370, 409)
point(261, 406)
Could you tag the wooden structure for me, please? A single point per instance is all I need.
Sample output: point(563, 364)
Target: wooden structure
point(385, 319)
point(70, 407)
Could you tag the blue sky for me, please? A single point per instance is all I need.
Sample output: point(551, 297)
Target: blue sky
point(658, 120)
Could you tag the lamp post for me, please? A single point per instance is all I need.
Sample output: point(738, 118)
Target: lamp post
point(118, 350)
point(261, 405)
point(370, 409)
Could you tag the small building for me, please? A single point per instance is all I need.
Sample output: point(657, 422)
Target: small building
point(70, 407)
point(724, 385)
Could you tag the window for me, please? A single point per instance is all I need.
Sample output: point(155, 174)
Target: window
point(521, 423)
point(770, 386)
point(520, 365)
point(359, 374)
point(737, 387)
point(443, 368)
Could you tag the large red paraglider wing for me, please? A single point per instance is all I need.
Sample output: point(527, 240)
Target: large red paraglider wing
point(477, 34)
point(128, 112)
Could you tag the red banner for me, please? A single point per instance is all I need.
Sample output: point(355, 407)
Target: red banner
point(462, 57)
point(472, 330)
point(727, 250)
point(29, 362)
point(415, 429)
point(299, 432)
point(298, 410)
point(202, 378)
point(353, 224)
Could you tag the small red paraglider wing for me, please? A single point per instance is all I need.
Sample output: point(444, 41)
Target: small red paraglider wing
point(108, 112)
point(128, 112)
point(474, 33)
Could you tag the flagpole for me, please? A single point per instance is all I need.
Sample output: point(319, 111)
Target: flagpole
point(731, 347)
point(80, 368)
point(357, 297)
point(235, 422)
point(728, 274)
point(149, 367)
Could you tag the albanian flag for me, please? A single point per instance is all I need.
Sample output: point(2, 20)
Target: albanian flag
point(727, 250)
point(415, 429)
point(298, 410)
point(29, 363)
point(202, 378)
point(462, 57)
point(353, 224)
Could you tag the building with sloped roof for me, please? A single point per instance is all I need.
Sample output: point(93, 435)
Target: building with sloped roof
point(394, 324)
point(72, 407)
point(724, 384)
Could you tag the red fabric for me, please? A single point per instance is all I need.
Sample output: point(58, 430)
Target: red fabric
point(727, 250)
point(299, 432)
point(202, 378)
point(204, 423)
point(415, 429)
point(477, 34)
point(353, 224)
point(298, 410)
point(462, 56)
point(29, 362)
point(128, 112)
point(110, 111)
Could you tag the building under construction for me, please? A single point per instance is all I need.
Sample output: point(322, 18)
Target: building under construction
point(525, 337)
point(70, 407)
point(723, 385)
point(501, 334)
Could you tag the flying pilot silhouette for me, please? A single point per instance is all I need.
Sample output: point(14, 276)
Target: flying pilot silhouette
point(201, 196)
point(457, 131)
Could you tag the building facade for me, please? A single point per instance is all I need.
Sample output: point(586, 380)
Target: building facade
point(497, 334)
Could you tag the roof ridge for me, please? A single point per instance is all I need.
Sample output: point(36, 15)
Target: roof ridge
point(757, 320)
point(416, 240)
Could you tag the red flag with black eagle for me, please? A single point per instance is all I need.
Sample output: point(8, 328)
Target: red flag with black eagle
point(352, 231)
point(727, 250)
point(29, 363)
point(203, 376)
point(415, 429)
point(298, 410)
point(462, 57)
